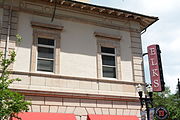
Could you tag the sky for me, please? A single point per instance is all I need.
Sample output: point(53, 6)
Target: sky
point(165, 32)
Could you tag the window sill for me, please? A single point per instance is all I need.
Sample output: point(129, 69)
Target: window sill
point(109, 78)
point(43, 72)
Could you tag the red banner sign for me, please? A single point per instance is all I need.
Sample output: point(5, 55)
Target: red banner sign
point(155, 68)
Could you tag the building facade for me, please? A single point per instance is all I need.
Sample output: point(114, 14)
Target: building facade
point(87, 61)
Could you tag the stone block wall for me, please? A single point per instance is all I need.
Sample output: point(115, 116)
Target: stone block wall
point(58, 83)
point(82, 107)
point(137, 59)
point(13, 27)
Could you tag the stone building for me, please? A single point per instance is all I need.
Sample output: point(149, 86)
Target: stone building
point(85, 63)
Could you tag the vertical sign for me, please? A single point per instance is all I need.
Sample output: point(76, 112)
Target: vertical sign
point(155, 67)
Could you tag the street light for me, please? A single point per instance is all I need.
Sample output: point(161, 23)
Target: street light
point(147, 100)
point(179, 86)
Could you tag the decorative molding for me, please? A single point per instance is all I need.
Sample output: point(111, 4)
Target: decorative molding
point(111, 11)
point(92, 8)
point(75, 78)
point(108, 36)
point(101, 10)
point(46, 26)
point(108, 41)
point(45, 31)
point(62, 2)
point(24, 8)
point(146, 21)
point(83, 6)
point(76, 95)
point(73, 4)
point(89, 9)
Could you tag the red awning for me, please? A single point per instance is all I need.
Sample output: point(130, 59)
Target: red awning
point(45, 116)
point(112, 117)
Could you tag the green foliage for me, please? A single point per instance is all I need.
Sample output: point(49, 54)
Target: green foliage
point(19, 39)
point(11, 102)
point(169, 101)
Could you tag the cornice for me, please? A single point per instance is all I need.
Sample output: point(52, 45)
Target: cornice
point(76, 78)
point(144, 20)
point(45, 9)
point(76, 95)
point(111, 13)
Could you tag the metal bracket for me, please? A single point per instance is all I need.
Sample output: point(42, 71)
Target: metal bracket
point(144, 54)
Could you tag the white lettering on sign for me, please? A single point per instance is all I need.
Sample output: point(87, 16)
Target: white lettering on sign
point(155, 72)
point(152, 51)
point(156, 84)
point(153, 62)
point(154, 67)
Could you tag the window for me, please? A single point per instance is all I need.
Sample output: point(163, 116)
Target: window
point(45, 59)
point(108, 62)
point(108, 56)
point(45, 54)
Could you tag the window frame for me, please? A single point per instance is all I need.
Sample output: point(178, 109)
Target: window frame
point(109, 41)
point(47, 31)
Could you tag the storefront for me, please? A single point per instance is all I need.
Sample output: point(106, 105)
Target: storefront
point(62, 116)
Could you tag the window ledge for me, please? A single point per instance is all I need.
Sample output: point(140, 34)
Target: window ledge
point(46, 26)
point(109, 36)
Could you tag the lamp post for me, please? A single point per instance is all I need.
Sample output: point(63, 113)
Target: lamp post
point(179, 87)
point(147, 100)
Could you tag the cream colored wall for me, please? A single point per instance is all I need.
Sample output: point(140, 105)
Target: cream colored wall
point(1, 14)
point(126, 57)
point(78, 50)
point(78, 47)
point(24, 50)
point(83, 44)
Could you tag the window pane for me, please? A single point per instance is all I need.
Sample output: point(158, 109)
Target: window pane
point(107, 50)
point(45, 52)
point(45, 65)
point(108, 60)
point(109, 72)
point(45, 41)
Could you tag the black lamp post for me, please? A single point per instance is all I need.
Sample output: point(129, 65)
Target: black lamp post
point(147, 100)
point(179, 87)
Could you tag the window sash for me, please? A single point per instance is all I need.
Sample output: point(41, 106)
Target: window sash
point(45, 41)
point(42, 65)
point(47, 46)
point(108, 60)
point(109, 69)
point(109, 72)
point(45, 59)
point(44, 52)
point(107, 50)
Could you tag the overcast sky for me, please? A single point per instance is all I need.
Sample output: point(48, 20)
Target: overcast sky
point(165, 32)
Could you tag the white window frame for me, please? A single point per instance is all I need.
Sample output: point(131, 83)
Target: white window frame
point(109, 41)
point(47, 31)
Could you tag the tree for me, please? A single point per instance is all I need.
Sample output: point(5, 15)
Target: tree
point(11, 102)
point(169, 101)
